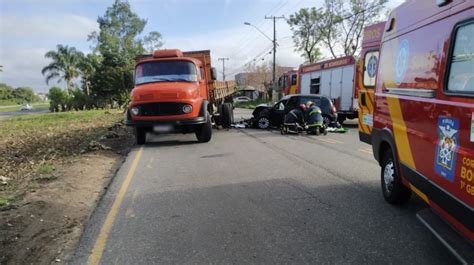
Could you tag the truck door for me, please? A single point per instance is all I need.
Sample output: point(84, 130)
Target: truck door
point(366, 75)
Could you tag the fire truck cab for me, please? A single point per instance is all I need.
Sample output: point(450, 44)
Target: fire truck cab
point(423, 116)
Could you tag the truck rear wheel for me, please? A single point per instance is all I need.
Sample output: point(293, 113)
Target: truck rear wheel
point(227, 117)
point(204, 131)
point(140, 135)
point(393, 189)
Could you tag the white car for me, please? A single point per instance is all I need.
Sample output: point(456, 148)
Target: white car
point(26, 107)
point(242, 99)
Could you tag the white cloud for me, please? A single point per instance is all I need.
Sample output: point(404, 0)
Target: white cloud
point(25, 40)
point(67, 26)
point(22, 67)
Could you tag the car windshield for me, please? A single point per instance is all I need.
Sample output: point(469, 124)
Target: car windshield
point(165, 71)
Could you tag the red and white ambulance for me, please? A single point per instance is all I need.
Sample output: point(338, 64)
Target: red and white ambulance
point(422, 125)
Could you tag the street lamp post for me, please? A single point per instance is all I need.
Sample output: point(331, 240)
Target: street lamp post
point(274, 45)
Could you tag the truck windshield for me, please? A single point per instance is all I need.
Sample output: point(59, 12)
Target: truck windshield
point(165, 71)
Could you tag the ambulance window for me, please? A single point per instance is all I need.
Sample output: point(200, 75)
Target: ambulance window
point(461, 73)
point(293, 80)
point(370, 68)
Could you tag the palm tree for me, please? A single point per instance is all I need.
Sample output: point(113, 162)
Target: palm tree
point(65, 65)
point(87, 67)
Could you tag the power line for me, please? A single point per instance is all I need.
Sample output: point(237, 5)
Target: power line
point(223, 66)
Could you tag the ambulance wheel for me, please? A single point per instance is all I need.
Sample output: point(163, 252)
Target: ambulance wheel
point(325, 131)
point(140, 135)
point(317, 132)
point(393, 189)
point(204, 131)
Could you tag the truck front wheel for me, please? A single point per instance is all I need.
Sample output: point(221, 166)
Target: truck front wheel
point(204, 131)
point(393, 189)
point(140, 135)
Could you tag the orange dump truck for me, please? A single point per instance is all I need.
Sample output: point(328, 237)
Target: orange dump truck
point(176, 92)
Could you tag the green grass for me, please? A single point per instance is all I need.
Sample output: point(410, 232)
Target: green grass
point(60, 120)
point(8, 103)
point(250, 104)
point(46, 169)
point(36, 106)
point(5, 201)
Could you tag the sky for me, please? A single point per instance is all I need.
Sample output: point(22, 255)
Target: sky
point(30, 28)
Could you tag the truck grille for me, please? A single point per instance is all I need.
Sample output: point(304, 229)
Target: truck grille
point(161, 109)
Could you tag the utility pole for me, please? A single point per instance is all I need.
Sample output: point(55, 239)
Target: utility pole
point(274, 49)
point(223, 66)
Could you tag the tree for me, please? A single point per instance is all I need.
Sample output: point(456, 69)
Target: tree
point(87, 67)
point(343, 22)
point(307, 34)
point(24, 94)
point(153, 41)
point(6, 92)
point(119, 45)
point(57, 97)
point(64, 65)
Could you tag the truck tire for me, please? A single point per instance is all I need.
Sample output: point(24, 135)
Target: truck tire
point(218, 118)
point(140, 135)
point(204, 131)
point(227, 115)
point(393, 189)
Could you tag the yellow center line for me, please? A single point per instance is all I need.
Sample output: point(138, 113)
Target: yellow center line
point(99, 246)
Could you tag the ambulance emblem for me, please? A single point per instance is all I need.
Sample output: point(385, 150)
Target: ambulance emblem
point(447, 147)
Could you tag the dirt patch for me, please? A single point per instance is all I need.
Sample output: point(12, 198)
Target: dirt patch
point(43, 226)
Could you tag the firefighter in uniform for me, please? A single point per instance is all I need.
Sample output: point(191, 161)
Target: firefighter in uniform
point(314, 119)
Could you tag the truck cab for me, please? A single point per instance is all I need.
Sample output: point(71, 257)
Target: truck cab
point(175, 92)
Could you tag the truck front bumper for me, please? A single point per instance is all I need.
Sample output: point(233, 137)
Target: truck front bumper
point(174, 123)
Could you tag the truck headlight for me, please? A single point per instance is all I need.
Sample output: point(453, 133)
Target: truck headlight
point(187, 108)
point(135, 111)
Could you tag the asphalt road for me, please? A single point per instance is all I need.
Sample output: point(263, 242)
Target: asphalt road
point(9, 114)
point(258, 197)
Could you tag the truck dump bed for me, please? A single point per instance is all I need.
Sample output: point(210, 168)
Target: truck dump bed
point(217, 89)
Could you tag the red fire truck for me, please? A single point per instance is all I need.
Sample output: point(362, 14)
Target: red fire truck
point(423, 115)
point(334, 79)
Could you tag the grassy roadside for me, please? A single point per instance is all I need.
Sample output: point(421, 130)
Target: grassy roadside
point(30, 145)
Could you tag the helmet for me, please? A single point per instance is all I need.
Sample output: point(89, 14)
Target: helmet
point(303, 107)
point(309, 104)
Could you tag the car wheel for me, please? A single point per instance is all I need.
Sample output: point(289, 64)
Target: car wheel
point(393, 189)
point(263, 122)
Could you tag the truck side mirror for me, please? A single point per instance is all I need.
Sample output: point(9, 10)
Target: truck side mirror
point(213, 74)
